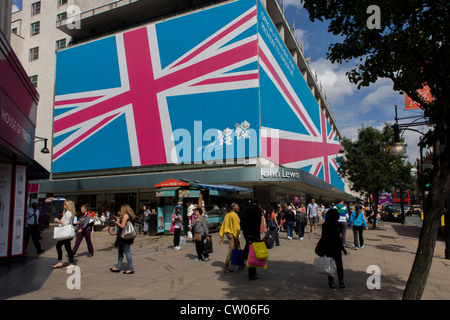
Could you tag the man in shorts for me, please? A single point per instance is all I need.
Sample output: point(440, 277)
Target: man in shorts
point(312, 213)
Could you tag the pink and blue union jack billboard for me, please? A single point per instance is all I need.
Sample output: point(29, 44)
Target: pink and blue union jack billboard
point(210, 85)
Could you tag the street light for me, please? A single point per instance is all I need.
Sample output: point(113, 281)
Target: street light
point(44, 150)
point(397, 149)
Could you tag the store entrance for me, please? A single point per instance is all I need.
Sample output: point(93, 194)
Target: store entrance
point(125, 198)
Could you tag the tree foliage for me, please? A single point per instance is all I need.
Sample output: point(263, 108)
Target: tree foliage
point(369, 167)
point(411, 48)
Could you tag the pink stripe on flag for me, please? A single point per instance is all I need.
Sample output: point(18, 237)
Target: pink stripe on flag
point(56, 155)
point(244, 77)
point(217, 38)
point(285, 90)
point(76, 101)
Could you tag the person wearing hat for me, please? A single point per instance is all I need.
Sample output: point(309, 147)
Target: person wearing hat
point(175, 228)
point(231, 227)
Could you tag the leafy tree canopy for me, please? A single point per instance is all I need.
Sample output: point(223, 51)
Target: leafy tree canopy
point(368, 165)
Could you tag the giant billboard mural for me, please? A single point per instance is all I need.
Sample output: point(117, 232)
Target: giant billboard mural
point(294, 130)
point(179, 91)
point(204, 87)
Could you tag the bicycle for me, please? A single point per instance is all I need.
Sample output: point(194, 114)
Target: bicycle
point(139, 225)
point(112, 228)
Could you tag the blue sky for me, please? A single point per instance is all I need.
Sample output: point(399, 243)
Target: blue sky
point(352, 108)
point(17, 5)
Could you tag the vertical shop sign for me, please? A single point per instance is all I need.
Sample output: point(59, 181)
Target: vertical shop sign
point(19, 211)
point(5, 199)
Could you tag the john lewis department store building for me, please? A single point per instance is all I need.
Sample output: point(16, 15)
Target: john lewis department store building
point(218, 94)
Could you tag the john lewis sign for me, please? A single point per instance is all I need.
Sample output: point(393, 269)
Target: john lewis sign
point(279, 173)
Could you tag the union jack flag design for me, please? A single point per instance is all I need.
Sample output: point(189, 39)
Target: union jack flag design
point(119, 100)
point(225, 61)
point(301, 137)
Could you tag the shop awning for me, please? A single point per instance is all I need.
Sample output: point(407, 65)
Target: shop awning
point(171, 183)
point(224, 187)
point(55, 199)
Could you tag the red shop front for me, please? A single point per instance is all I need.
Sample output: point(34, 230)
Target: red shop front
point(18, 104)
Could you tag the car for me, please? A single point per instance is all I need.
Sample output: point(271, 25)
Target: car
point(393, 212)
point(416, 209)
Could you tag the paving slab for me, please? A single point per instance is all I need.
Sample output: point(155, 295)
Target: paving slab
point(163, 274)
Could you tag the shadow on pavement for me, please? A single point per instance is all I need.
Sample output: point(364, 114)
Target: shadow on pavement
point(280, 282)
point(23, 275)
point(407, 230)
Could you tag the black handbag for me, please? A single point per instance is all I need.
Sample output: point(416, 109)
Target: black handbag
point(320, 250)
point(208, 245)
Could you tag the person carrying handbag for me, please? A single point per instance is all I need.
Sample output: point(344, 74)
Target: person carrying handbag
point(84, 231)
point(231, 227)
point(124, 245)
point(67, 219)
point(200, 231)
point(332, 246)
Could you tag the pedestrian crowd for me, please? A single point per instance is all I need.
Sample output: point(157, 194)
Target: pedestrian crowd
point(250, 222)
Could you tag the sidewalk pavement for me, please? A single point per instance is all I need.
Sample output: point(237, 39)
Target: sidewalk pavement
point(162, 273)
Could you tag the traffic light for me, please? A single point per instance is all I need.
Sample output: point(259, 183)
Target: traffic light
point(426, 179)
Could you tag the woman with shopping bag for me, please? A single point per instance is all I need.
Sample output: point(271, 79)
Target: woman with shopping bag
point(125, 238)
point(200, 231)
point(66, 223)
point(231, 227)
point(250, 225)
point(331, 245)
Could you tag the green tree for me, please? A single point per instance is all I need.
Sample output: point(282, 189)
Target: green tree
point(411, 48)
point(369, 167)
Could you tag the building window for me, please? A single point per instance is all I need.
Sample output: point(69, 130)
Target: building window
point(61, 2)
point(34, 53)
point(60, 44)
point(35, 28)
point(61, 16)
point(34, 80)
point(14, 30)
point(35, 8)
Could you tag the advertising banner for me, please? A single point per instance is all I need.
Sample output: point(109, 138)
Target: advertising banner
point(5, 202)
point(425, 93)
point(160, 212)
point(295, 132)
point(158, 95)
point(19, 211)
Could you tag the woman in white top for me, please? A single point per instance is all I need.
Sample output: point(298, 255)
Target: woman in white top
point(68, 218)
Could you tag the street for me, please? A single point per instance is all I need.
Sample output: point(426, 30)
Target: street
point(162, 273)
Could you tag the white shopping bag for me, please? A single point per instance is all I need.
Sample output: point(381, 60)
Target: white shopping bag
point(325, 265)
point(64, 232)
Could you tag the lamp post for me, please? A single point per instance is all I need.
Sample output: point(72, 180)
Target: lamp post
point(399, 149)
point(44, 150)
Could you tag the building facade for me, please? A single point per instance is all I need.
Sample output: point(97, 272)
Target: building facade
point(214, 92)
point(35, 39)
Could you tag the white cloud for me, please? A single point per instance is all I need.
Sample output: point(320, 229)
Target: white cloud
point(380, 98)
point(334, 81)
point(293, 3)
point(301, 35)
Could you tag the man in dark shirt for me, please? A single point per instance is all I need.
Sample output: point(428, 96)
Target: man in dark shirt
point(250, 226)
point(32, 227)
